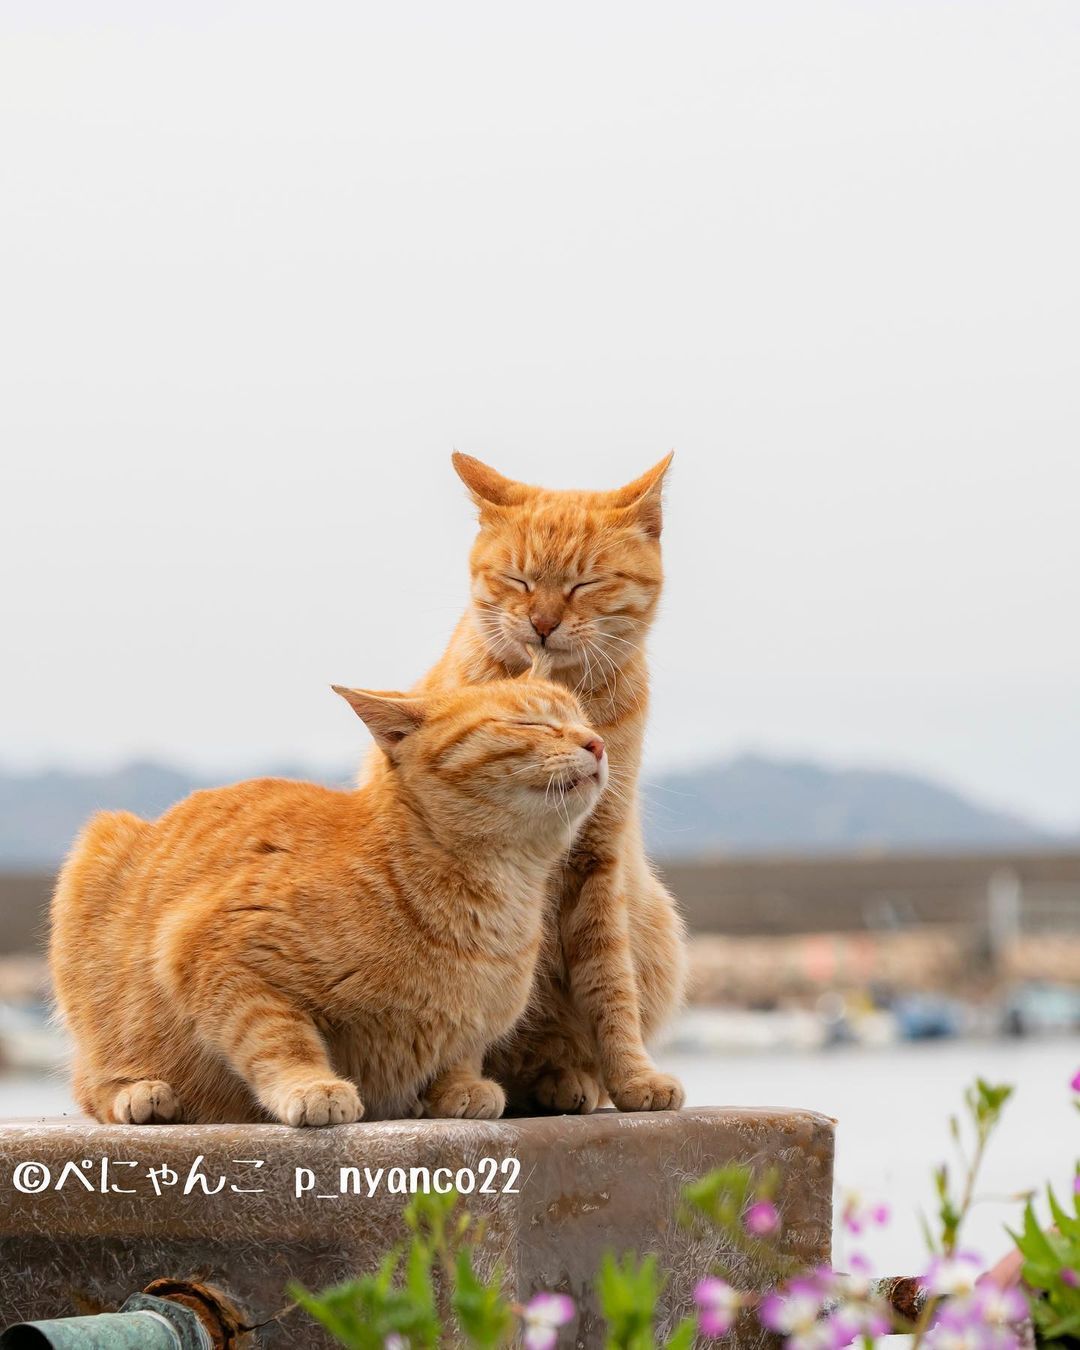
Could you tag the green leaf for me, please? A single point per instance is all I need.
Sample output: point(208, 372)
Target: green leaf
point(989, 1099)
point(721, 1195)
point(1055, 1331)
point(418, 1283)
point(1069, 1225)
point(361, 1313)
point(928, 1234)
point(682, 1338)
point(484, 1316)
point(335, 1310)
point(1034, 1243)
point(628, 1291)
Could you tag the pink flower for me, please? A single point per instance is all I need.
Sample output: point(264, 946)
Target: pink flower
point(853, 1321)
point(856, 1282)
point(821, 1336)
point(1076, 1184)
point(952, 1276)
point(828, 1282)
point(761, 1219)
point(984, 1320)
point(718, 1306)
point(843, 1328)
point(856, 1216)
point(997, 1307)
point(1075, 1081)
point(860, 1314)
point(1070, 1277)
point(964, 1337)
point(794, 1310)
point(543, 1315)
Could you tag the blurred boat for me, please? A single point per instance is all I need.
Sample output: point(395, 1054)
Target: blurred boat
point(750, 1031)
point(1038, 1008)
point(741, 1030)
point(924, 1017)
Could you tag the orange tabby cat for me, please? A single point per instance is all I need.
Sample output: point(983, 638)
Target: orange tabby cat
point(578, 574)
point(271, 948)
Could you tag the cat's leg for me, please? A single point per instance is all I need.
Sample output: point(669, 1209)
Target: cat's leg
point(658, 948)
point(568, 1090)
point(413, 1108)
point(549, 1062)
point(150, 1101)
point(127, 1100)
point(84, 1089)
point(590, 1014)
point(276, 1048)
point(596, 944)
point(463, 1093)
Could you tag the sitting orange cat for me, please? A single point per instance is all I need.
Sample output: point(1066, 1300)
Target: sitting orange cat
point(266, 950)
point(577, 576)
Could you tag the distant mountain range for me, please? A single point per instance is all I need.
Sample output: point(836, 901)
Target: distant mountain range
point(40, 813)
point(748, 804)
point(752, 804)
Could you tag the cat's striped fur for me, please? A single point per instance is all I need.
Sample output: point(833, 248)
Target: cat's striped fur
point(579, 573)
point(277, 949)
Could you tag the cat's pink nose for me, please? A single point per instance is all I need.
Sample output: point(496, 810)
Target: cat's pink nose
point(596, 745)
point(545, 624)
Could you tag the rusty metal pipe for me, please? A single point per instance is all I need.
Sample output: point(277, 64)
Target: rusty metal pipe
point(167, 1315)
point(143, 1323)
point(905, 1294)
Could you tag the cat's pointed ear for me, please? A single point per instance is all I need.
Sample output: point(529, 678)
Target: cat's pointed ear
point(389, 717)
point(486, 487)
point(642, 499)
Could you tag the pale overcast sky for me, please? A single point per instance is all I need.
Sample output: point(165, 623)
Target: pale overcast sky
point(263, 266)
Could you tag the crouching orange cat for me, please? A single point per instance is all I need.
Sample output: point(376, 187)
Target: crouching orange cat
point(278, 949)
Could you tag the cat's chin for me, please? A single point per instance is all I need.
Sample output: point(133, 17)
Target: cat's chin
point(580, 795)
point(556, 658)
point(561, 657)
point(555, 809)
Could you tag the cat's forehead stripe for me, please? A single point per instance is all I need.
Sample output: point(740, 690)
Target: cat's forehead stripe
point(460, 730)
point(555, 538)
point(546, 706)
point(574, 563)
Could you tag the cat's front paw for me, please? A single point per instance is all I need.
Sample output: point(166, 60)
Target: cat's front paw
point(567, 1091)
point(329, 1101)
point(468, 1099)
point(649, 1091)
point(147, 1102)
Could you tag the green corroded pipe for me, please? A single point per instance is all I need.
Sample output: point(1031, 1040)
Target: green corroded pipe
point(143, 1323)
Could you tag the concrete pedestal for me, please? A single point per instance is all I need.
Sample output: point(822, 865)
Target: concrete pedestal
point(91, 1213)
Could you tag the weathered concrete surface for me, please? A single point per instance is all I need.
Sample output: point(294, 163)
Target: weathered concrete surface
point(585, 1184)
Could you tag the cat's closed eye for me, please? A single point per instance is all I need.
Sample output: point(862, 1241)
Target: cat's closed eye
point(580, 585)
point(516, 581)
